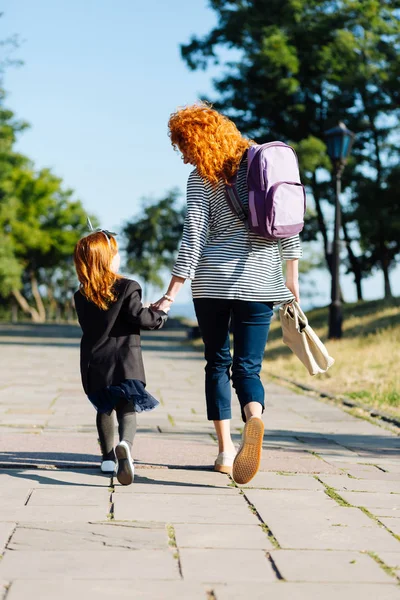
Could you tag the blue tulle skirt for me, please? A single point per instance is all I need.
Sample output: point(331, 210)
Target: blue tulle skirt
point(132, 390)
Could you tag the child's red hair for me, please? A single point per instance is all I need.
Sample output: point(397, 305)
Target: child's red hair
point(211, 140)
point(92, 257)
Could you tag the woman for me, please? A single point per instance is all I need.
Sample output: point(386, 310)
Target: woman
point(236, 276)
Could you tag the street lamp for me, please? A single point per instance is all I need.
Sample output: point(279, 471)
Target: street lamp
point(339, 141)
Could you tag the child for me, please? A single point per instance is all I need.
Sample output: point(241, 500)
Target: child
point(111, 315)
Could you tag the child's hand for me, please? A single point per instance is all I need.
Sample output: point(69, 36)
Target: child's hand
point(162, 304)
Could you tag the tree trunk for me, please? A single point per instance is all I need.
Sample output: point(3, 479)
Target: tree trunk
point(38, 298)
point(321, 222)
point(27, 309)
point(14, 311)
point(354, 262)
point(52, 303)
point(385, 268)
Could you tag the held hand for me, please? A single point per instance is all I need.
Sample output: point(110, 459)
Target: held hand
point(162, 304)
point(293, 286)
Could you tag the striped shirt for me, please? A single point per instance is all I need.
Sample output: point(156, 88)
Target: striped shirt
point(224, 259)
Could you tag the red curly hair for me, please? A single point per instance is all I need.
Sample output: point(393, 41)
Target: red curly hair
point(212, 141)
point(92, 257)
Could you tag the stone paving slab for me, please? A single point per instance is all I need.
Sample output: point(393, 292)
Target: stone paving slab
point(69, 497)
point(46, 514)
point(123, 564)
point(209, 479)
point(33, 478)
point(104, 589)
point(307, 591)
point(242, 537)
point(344, 483)
point(4, 585)
point(170, 488)
point(46, 449)
point(390, 465)
point(6, 530)
point(392, 523)
point(11, 498)
point(384, 512)
point(285, 499)
point(391, 559)
point(284, 482)
point(336, 528)
point(216, 566)
point(166, 452)
point(329, 566)
point(174, 508)
point(373, 500)
point(299, 462)
point(88, 536)
point(363, 471)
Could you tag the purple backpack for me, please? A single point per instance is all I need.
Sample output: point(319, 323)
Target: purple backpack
point(277, 198)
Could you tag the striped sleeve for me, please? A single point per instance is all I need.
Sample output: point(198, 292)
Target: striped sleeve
point(195, 228)
point(290, 248)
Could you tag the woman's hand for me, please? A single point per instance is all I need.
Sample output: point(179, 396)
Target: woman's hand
point(293, 286)
point(162, 304)
point(292, 277)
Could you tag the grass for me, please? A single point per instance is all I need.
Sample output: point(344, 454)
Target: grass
point(389, 570)
point(367, 357)
point(171, 420)
point(332, 493)
point(270, 535)
point(173, 545)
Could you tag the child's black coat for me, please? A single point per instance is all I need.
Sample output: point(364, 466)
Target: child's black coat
point(110, 346)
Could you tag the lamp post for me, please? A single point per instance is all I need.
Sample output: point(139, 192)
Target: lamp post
point(339, 141)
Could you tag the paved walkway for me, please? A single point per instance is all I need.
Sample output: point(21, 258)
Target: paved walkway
point(319, 521)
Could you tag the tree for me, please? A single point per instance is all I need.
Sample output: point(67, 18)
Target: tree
point(152, 239)
point(10, 127)
point(378, 219)
point(300, 66)
point(43, 231)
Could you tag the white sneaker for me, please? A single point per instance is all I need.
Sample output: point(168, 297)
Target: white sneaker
point(224, 462)
point(108, 466)
point(126, 468)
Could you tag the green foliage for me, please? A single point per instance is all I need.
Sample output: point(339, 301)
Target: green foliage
point(48, 222)
point(153, 238)
point(40, 223)
point(300, 66)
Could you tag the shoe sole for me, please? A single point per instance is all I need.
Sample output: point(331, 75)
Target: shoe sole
point(247, 461)
point(222, 469)
point(125, 472)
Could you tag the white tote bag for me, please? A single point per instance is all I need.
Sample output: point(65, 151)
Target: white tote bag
point(302, 339)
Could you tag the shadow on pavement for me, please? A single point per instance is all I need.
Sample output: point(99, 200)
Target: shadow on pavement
point(48, 459)
point(34, 472)
point(37, 474)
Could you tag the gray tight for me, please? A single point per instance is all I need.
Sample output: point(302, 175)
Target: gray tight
point(126, 418)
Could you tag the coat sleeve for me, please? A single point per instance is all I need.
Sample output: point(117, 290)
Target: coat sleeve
point(290, 248)
point(136, 313)
point(195, 228)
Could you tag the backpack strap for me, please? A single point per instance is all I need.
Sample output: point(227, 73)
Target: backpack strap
point(233, 198)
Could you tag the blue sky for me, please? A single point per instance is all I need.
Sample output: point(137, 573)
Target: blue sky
point(99, 82)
